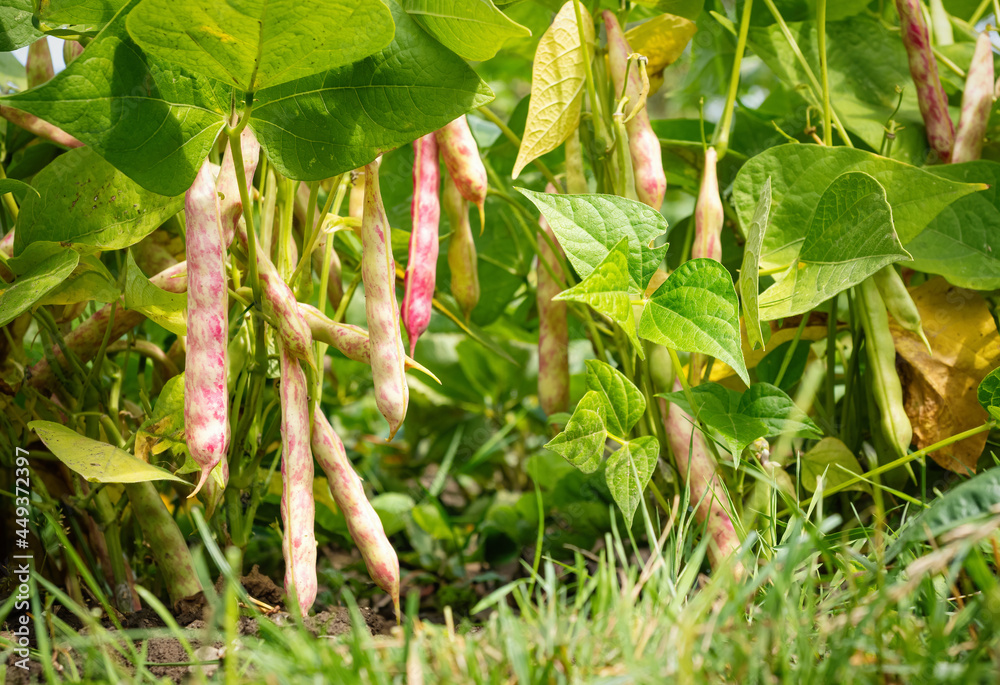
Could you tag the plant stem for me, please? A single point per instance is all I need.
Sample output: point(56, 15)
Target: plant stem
point(600, 131)
point(234, 144)
point(516, 140)
point(824, 73)
point(8, 199)
point(721, 138)
point(791, 350)
point(112, 538)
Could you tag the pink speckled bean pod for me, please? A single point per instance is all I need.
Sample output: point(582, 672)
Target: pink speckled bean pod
point(708, 213)
point(298, 508)
point(698, 469)
point(280, 301)
point(378, 272)
point(644, 146)
point(362, 521)
point(71, 50)
point(7, 244)
point(230, 204)
point(38, 67)
point(461, 155)
point(462, 258)
point(923, 68)
point(553, 330)
point(425, 212)
point(206, 399)
point(38, 127)
point(977, 100)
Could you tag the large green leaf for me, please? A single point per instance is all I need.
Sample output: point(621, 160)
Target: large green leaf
point(150, 119)
point(800, 173)
point(581, 443)
point(718, 408)
point(689, 9)
point(16, 29)
point(91, 280)
point(98, 462)
point(696, 310)
point(962, 243)
point(86, 201)
point(475, 29)
point(749, 281)
point(341, 119)
point(623, 403)
point(866, 62)
point(629, 471)
point(607, 290)
point(850, 237)
point(251, 44)
point(776, 410)
point(167, 309)
point(86, 13)
point(589, 226)
point(27, 289)
point(989, 394)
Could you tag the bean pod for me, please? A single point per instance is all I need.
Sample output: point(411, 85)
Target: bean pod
point(644, 146)
point(363, 523)
point(899, 303)
point(553, 329)
point(230, 204)
point(461, 155)
point(378, 272)
point(38, 67)
point(425, 211)
point(923, 68)
point(977, 101)
point(298, 508)
point(462, 258)
point(708, 213)
point(206, 400)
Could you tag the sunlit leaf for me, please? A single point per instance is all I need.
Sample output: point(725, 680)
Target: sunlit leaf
point(749, 283)
point(623, 402)
point(629, 471)
point(474, 29)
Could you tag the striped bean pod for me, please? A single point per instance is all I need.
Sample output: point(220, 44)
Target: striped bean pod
point(425, 211)
point(363, 523)
point(553, 329)
point(38, 67)
point(923, 68)
point(298, 508)
point(644, 146)
point(708, 213)
point(378, 272)
point(206, 399)
point(461, 155)
point(977, 101)
point(462, 258)
point(230, 204)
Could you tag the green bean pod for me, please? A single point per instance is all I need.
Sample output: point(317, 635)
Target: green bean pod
point(462, 257)
point(899, 303)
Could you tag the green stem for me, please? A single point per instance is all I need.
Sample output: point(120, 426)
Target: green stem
point(8, 199)
point(234, 144)
point(516, 141)
point(824, 73)
point(600, 132)
point(721, 138)
point(112, 538)
point(791, 350)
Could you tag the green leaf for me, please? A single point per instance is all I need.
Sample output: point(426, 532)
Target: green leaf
point(27, 289)
point(12, 72)
point(689, 9)
point(831, 459)
point(717, 407)
point(589, 226)
point(850, 237)
point(582, 441)
point(748, 283)
point(696, 310)
point(341, 119)
point(623, 402)
point(19, 188)
point(989, 394)
point(16, 29)
point(800, 173)
point(772, 406)
point(629, 471)
point(150, 119)
point(86, 13)
point(962, 243)
point(167, 309)
point(255, 43)
point(91, 280)
point(474, 29)
point(606, 289)
point(86, 201)
point(98, 462)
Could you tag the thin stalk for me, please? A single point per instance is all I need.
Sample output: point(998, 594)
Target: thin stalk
point(721, 138)
point(8, 199)
point(112, 538)
point(516, 141)
point(234, 144)
point(600, 132)
point(824, 72)
point(791, 350)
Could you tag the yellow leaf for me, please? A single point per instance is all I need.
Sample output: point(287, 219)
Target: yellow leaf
point(812, 332)
point(557, 81)
point(940, 392)
point(661, 40)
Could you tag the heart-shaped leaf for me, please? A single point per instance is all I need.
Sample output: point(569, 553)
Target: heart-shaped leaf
point(717, 407)
point(622, 401)
point(696, 310)
point(772, 406)
point(582, 441)
point(629, 471)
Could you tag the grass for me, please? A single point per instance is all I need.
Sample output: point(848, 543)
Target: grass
point(830, 604)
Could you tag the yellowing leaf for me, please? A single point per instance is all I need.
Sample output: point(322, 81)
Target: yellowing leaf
point(811, 333)
point(661, 40)
point(557, 80)
point(940, 391)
